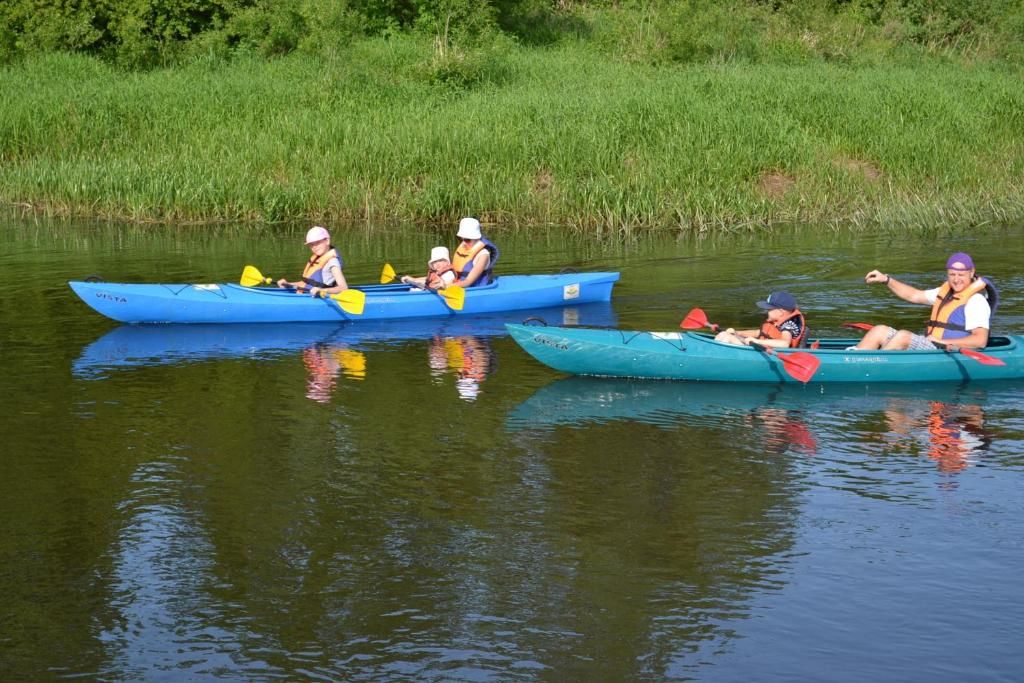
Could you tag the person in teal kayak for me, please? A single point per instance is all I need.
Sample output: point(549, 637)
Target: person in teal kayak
point(440, 273)
point(475, 256)
point(961, 310)
point(785, 326)
point(322, 274)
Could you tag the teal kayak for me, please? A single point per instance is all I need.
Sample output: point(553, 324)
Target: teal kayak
point(231, 303)
point(696, 356)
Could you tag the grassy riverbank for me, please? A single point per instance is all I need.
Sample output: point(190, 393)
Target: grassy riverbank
point(382, 132)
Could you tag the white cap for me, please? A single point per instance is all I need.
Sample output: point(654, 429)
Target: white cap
point(469, 228)
point(438, 253)
point(317, 233)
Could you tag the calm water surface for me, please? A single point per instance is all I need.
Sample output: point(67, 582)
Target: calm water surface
point(426, 502)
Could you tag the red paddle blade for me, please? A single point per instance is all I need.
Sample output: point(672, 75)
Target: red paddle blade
point(801, 366)
point(694, 320)
point(982, 358)
point(858, 326)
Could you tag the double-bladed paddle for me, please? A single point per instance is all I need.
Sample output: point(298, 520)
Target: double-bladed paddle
point(800, 365)
point(350, 301)
point(453, 295)
point(982, 358)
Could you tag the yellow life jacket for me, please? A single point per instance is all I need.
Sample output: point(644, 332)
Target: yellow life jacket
point(463, 261)
point(313, 273)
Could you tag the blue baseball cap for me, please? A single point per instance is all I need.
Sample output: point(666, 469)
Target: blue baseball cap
point(783, 300)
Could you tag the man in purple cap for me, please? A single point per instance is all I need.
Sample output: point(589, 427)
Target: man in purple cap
point(961, 310)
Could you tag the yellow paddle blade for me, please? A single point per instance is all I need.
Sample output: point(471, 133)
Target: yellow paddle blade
point(251, 276)
point(387, 274)
point(351, 301)
point(455, 297)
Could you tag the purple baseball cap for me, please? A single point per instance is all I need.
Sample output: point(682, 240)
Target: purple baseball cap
point(960, 261)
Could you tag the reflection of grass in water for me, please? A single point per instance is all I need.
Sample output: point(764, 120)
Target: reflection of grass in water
point(565, 137)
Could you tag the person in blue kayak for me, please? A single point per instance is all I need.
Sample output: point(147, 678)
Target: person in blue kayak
point(322, 273)
point(785, 326)
point(475, 256)
point(961, 310)
point(440, 273)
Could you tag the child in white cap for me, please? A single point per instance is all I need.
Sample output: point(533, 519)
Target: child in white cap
point(440, 273)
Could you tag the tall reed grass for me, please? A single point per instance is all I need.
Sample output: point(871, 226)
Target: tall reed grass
point(523, 136)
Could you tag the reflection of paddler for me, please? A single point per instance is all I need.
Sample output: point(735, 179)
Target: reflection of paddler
point(783, 430)
point(323, 365)
point(468, 357)
point(954, 433)
point(353, 363)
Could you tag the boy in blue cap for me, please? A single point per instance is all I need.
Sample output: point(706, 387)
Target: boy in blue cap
point(784, 328)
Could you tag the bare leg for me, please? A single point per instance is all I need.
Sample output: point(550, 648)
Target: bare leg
point(900, 342)
point(727, 337)
point(875, 337)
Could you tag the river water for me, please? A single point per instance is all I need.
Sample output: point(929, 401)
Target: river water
point(321, 503)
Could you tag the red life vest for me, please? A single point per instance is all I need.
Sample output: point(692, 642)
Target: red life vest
point(770, 330)
point(434, 277)
point(948, 315)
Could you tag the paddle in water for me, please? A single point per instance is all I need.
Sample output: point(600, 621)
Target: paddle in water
point(452, 295)
point(982, 358)
point(350, 301)
point(800, 365)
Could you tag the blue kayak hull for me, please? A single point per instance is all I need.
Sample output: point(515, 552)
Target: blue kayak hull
point(231, 303)
point(697, 357)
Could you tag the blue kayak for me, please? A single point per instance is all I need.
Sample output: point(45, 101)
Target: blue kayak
point(697, 356)
point(231, 303)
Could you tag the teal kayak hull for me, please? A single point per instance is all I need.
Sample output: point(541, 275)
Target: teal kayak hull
point(231, 303)
point(696, 356)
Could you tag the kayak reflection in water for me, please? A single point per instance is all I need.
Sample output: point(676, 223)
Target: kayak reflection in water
point(325, 363)
point(955, 433)
point(469, 358)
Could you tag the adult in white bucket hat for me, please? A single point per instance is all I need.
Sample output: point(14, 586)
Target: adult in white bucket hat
point(440, 273)
point(475, 256)
point(323, 271)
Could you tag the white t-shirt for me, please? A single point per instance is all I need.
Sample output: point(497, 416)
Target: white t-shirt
point(976, 313)
point(448, 277)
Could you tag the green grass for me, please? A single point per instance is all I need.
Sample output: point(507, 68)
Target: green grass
point(389, 132)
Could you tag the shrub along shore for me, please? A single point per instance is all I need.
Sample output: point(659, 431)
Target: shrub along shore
point(383, 131)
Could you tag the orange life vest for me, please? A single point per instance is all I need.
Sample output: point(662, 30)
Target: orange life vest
point(434, 277)
point(947, 319)
point(313, 273)
point(770, 330)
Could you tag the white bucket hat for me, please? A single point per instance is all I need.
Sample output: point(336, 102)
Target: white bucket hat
point(469, 228)
point(317, 233)
point(438, 253)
